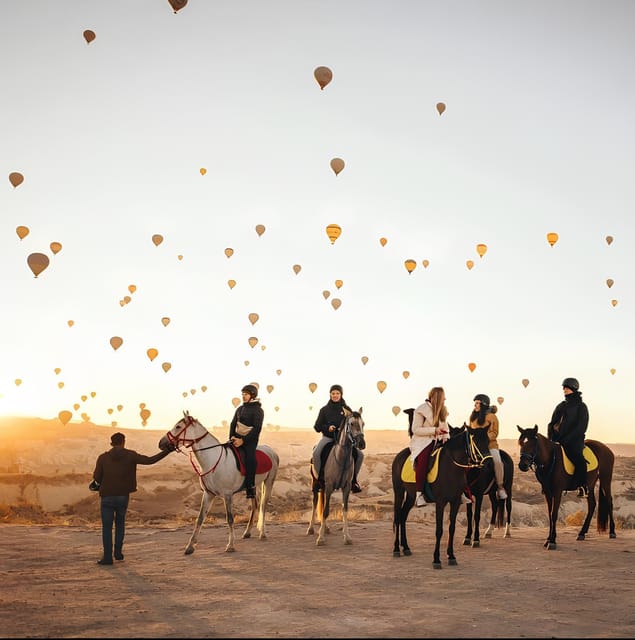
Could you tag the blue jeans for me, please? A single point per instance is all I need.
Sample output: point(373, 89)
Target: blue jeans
point(113, 510)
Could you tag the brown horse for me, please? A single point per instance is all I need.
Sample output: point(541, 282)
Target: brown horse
point(546, 458)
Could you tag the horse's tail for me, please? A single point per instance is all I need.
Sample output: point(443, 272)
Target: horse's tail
point(606, 460)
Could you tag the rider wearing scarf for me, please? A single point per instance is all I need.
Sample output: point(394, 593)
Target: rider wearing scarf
point(329, 418)
point(568, 426)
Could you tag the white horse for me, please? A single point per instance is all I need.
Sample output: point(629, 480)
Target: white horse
point(217, 467)
point(338, 474)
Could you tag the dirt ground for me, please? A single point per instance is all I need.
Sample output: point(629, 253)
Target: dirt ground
point(286, 587)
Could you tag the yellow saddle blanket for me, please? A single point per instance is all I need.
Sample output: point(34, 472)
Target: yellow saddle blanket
point(589, 456)
point(408, 470)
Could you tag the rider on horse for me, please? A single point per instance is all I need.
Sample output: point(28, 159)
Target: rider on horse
point(568, 427)
point(328, 421)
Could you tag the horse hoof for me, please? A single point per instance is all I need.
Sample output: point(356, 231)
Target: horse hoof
point(247, 534)
point(580, 536)
point(436, 565)
point(189, 551)
point(612, 535)
point(310, 531)
point(452, 562)
point(488, 534)
point(262, 536)
point(396, 554)
point(508, 535)
point(551, 546)
point(467, 542)
point(546, 544)
point(348, 541)
point(476, 544)
point(319, 543)
point(407, 552)
point(229, 549)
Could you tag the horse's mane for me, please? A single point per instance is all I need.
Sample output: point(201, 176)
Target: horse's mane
point(411, 413)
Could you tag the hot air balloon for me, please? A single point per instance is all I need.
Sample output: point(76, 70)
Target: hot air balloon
point(425, 263)
point(60, 385)
point(57, 370)
point(278, 371)
point(229, 252)
point(336, 303)
point(253, 341)
point(297, 268)
point(56, 247)
point(396, 410)
point(440, 107)
point(383, 241)
point(381, 385)
point(323, 75)
point(184, 394)
point(614, 303)
point(312, 387)
point(16, 179)
point(552, 238)
point(260, 229)
point(469, 264)
point(246, 363)
point(37, 263)
point(193, 391)
point(269, 388)
point(132, 288)
point(157, 238)
point(525, 382)
point(165, 321)
point(22, 232)
point(471, 366)
point(145, 414)
point(405, 374)
point(410, 265)
point(337, 164)
point(70, 323)
point(179, 257)
point(64, 416)
point(333, 231)
point(166, 366)
point(326, 294)
point(612, 372)
point(89, 36)
point(76, 406)
point(364, 359)
point(110, 411)
point(119, 407)
point(253, 318)
point(84, 398)
point(231, 283)
point(500, 399)
point(177, 5)
point(204, 388)
point(339, 283)
point(609, 239)
point(481, 249)
point(152, 353)
point(235, 401)
point(127, 299)
point(609, 282)
point(142, 405)
point(93, 394)
point(203, 171)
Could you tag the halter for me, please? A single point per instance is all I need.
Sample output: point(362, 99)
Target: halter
point(346, 425)
point(476, 458)
point(541, 470)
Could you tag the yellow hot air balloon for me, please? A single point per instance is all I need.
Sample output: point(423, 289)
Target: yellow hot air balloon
point(84, 398)
point(231, 283)
point(119, 407)
point(203, 171)
point(339, 283)
point(157, 238)
point(177, 5)
point(609, 239)
point(235, 401)
point(204, 388)
point(323, 75)
point(179, 257)
point(166, 366)
point(56, 247)
point(396, 410)
point(297, 268)
point(142, 405)
point(614, 303)
point(185, 394)
point(410, 265)
point(500, 399)
point(16, 179)
point(93, 394)
point(60, 385)
point(57, 370)
point(425, 263)
point(246, 363)
point(481, 249)
point(609, 282)
point(336, 303)
point(278, 372)
point(612, 372)
point(337, 164)
point(70, 323)
point(333, 231)
point(22, 232)
point(193, 391)
point(312, 387)
point(132, 288)
point(471, 366)
point(552, 238)
point(383, 241)
point(253, 341)
point(152, 353)
point(229, 252)
point(269, 388)
point(364, 359)
point(405, 374)
point(469, 264)
point(165, 321)
point(276, 408)
point(260, 229)
point(116, 342)
point(326, 294)
point(64, 416)
point(110, 411)
point(525, 382)
point(253, 318)
point(37, 263)
point(381, 385)
point(440, 107)
point(145, 414)
point(89, 36)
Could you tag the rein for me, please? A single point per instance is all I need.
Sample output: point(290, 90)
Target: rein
point(475, 456)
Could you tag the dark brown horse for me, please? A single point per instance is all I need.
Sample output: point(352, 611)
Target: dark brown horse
point(545, 458)
point(465, 449)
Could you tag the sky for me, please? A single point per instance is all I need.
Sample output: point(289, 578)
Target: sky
point(537, 136)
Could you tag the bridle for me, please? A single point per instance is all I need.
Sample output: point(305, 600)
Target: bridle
point(530, 460)
point(353, 439)
point(475, 457)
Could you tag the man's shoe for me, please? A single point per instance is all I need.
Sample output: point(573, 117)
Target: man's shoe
point(420, 500)
point(355, 488)
point(118, 555)
point(251, 493)
point(502, 494)
point(104, 561)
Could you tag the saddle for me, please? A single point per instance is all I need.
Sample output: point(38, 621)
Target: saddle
point(408, 473)
point(589, 457)
point(263, 461)
point(318, 481)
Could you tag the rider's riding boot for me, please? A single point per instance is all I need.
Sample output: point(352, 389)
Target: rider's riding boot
point(502, 494)
point(251, 493)
point(355, 488)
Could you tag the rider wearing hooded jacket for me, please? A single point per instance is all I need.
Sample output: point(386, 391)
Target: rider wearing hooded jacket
point(244, 432)
point(568, 426)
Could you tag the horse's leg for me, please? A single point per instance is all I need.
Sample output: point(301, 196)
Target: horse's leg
point(436, 560)
point(495, 506)
point(265, 495)
point(469, 512)
point(590, 510)
point(405, 510)
point(311, 529)
point(454, 509)
point(508, 508)
point(476, 542)
point(325, 514)
point(206, 502)
point(398, 500)
point(253, 509)
point(229, 516)
point(554, 508)
point(345, 493)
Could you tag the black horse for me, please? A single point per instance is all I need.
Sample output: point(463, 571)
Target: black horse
point(545, 458)
point(465, 449)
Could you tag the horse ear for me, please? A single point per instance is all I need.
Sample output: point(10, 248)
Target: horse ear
point(536, 428)
point(519, 428)
point(346, 411)
point(361, 409)
point(186, 414)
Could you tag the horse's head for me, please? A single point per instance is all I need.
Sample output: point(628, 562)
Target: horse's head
point(353, 428)
point(478, 446)
point(528, 443)
point(184, 433)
